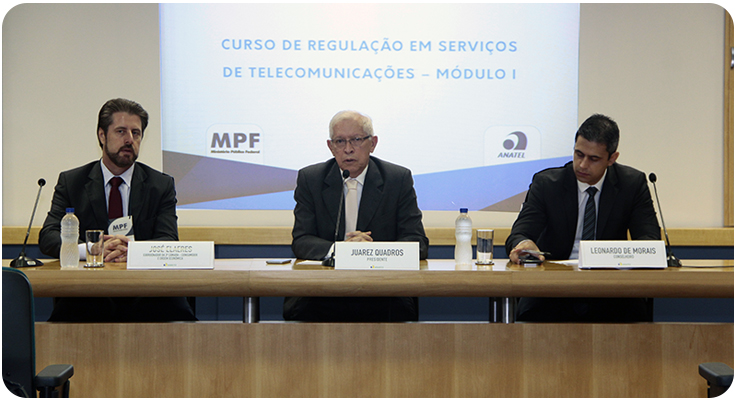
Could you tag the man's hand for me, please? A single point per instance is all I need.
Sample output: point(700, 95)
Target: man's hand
point(359, 236)
point(520, 248)
point(116, 248)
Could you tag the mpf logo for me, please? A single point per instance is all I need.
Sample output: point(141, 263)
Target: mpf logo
point(508, 144)
point(241, 142)
point(223, 140)
point(120, 227)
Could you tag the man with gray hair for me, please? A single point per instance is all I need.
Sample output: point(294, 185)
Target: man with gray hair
point(386, 211)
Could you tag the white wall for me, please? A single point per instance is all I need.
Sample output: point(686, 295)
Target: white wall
point(655, 68)
point(658, 70)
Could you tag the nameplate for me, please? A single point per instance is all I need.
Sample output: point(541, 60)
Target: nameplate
point(171, 255)
point(377, 255)
point(622, 255)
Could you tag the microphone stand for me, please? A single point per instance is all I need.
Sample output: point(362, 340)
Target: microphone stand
point(22, 260)
point(330, 261)
point(672, 260)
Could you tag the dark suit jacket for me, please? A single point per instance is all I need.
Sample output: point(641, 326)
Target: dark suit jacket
point(152, 204)
point(549, 218)
point(388, 209)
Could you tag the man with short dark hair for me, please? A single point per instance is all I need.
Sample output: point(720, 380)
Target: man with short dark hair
point(102, 191)
point(552, 219)
point(385, 210)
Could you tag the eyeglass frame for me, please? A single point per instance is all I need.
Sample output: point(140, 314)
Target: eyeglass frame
point(341, 145)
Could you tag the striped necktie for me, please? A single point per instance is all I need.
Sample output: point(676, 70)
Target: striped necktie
point(589, 216)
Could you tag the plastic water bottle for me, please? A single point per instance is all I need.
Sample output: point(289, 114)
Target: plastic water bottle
point(463, 235)
point(69, 255)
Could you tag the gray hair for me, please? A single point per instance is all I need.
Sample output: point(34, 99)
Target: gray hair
point(365, 122)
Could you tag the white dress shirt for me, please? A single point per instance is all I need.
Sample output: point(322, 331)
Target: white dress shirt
point(361, 180)
point(124, 188)
point(582, 200)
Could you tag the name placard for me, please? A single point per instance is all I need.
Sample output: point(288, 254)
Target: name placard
point(171, 255)
point(622, 255)
point(377, 255)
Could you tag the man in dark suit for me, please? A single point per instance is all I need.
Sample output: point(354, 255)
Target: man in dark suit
point(387, 211)
point(147, 195)
point(552, 219)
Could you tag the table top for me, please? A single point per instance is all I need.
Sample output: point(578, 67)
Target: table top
point(254, 277)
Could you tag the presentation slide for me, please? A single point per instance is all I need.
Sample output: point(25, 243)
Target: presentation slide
point(473, 98)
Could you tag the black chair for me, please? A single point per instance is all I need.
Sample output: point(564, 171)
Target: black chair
point(19, 344)
point(719, 377)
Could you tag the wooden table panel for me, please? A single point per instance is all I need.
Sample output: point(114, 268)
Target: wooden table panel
point(221, 359)
point(384, 359)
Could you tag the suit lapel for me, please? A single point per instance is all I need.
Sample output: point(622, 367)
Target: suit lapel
point(95, 190)
point(370, 199)
point(608, 197)
point(331, 197)
point(570, 203)
point(138, 193)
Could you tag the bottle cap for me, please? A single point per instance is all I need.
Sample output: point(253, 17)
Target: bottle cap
point(463, 210)
point(70, 210)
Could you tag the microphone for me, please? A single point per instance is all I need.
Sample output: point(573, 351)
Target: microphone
point(672, 260)
point(22, 260)
point(331, 260)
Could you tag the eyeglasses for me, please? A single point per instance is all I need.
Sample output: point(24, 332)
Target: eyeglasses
point(355, 142)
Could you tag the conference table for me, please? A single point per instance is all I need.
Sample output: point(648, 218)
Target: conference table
point(253, 278)
point(424, 359)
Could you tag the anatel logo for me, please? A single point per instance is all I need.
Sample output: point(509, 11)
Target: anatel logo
point(508, 144)
point(515, 141)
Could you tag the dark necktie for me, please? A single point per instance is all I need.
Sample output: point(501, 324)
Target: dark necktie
point(589, 216)
point(115, 203)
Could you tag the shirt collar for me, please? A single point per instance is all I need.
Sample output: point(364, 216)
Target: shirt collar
point(361, 177)
point(582, 187)
point(127, 175)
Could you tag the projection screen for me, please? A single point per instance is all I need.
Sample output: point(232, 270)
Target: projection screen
point(473, 98)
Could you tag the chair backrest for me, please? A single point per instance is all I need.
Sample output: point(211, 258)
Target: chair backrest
point(19, 356)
